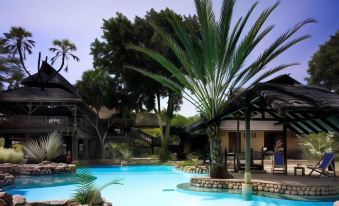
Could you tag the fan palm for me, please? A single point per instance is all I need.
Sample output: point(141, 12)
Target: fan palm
point(214, 61)
point(18, 41)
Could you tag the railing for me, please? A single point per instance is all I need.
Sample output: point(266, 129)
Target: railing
point(138, 134)
point(12, 122)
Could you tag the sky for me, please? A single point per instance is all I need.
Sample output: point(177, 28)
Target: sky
point(81, 21)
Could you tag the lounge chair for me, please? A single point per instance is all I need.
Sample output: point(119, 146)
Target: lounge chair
point(324, 164)
point(278, 163)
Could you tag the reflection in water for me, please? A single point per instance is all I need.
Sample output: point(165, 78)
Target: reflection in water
point(43, 181)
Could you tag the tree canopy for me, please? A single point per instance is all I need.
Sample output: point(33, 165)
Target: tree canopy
point(323, 67)
point(112, 54)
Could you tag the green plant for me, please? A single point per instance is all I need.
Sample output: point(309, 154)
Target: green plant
point(54, 145)
point(87, 192)
point(8, 155)
point(187, 163)
point(164, 155)
point(2, 142)
point(315, 145)
point(126, 153)
point(44, 148)
point(217, 61)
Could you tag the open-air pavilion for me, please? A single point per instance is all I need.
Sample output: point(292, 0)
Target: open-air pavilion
point(299, 108)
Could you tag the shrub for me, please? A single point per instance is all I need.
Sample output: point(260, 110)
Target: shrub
point(164, 155)
point(44, 148)
point(126, 153)
point(187, 163)
point(315, 145)
point(10, 156)
point(87, 192)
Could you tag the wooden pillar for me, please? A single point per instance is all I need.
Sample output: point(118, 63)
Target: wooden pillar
point(75, 143)
point(85, 147)
point(238, 146)
point(284, 137)
point(75, 147)
point(247, 186)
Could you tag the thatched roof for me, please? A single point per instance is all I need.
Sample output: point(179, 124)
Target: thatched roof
point(145, 120)
point(35, 94)
point(304, 109)
point(57, 81)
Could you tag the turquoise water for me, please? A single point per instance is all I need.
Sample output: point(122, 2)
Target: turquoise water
point(142, 186)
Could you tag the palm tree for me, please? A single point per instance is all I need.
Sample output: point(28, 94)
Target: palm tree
point(315, 145)
point(18, 41)
point(215, 61)
point(10, 70)
point(63, 49)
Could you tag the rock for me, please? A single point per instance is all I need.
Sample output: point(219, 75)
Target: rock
point(19, 200)
point(5, 197)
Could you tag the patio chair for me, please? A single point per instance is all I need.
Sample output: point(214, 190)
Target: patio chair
point(324, 164)
point(278, 163)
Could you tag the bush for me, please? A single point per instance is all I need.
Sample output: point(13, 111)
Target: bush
point(187, 163)
point(44, 148)
point(10, 156)
point(164, 155)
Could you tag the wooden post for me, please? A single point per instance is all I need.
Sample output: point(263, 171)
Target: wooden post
point(75, 144)
point(247, 186)
point(85, 147)
point(238, 137)
point(284, 136)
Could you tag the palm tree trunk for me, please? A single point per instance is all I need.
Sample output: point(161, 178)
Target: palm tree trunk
point(217, 169)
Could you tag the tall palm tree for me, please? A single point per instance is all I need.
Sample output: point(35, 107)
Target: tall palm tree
point(10, 70)
point(63, 49)
point(18, 41)
point(215, 61)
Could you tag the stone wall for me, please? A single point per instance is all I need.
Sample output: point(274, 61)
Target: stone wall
point(265, 186)
point(194, 169)
point(43, 168)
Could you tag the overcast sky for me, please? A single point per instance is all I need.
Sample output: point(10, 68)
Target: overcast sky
point(81, 20)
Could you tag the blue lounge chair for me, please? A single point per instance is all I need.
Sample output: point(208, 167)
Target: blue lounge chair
point(324, 164)
point(278, 163)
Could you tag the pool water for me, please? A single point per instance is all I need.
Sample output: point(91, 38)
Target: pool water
point(142, 186)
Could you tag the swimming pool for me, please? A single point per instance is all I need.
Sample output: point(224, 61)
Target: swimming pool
point(142, 186)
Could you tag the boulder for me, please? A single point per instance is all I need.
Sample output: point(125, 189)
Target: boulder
point(19, 200)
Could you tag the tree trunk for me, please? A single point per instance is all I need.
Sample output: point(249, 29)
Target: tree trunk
point(217, 169)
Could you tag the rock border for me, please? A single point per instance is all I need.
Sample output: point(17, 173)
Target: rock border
point(43, 168)
point(194, 169)
point(266, 186)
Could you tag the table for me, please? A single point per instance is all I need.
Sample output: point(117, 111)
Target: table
point(299, 168)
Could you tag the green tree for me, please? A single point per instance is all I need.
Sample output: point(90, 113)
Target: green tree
point(215, 62)
point(63, 49)
point(112, 54)
point(97, 89)
point(18, 41)
point(323, 67)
